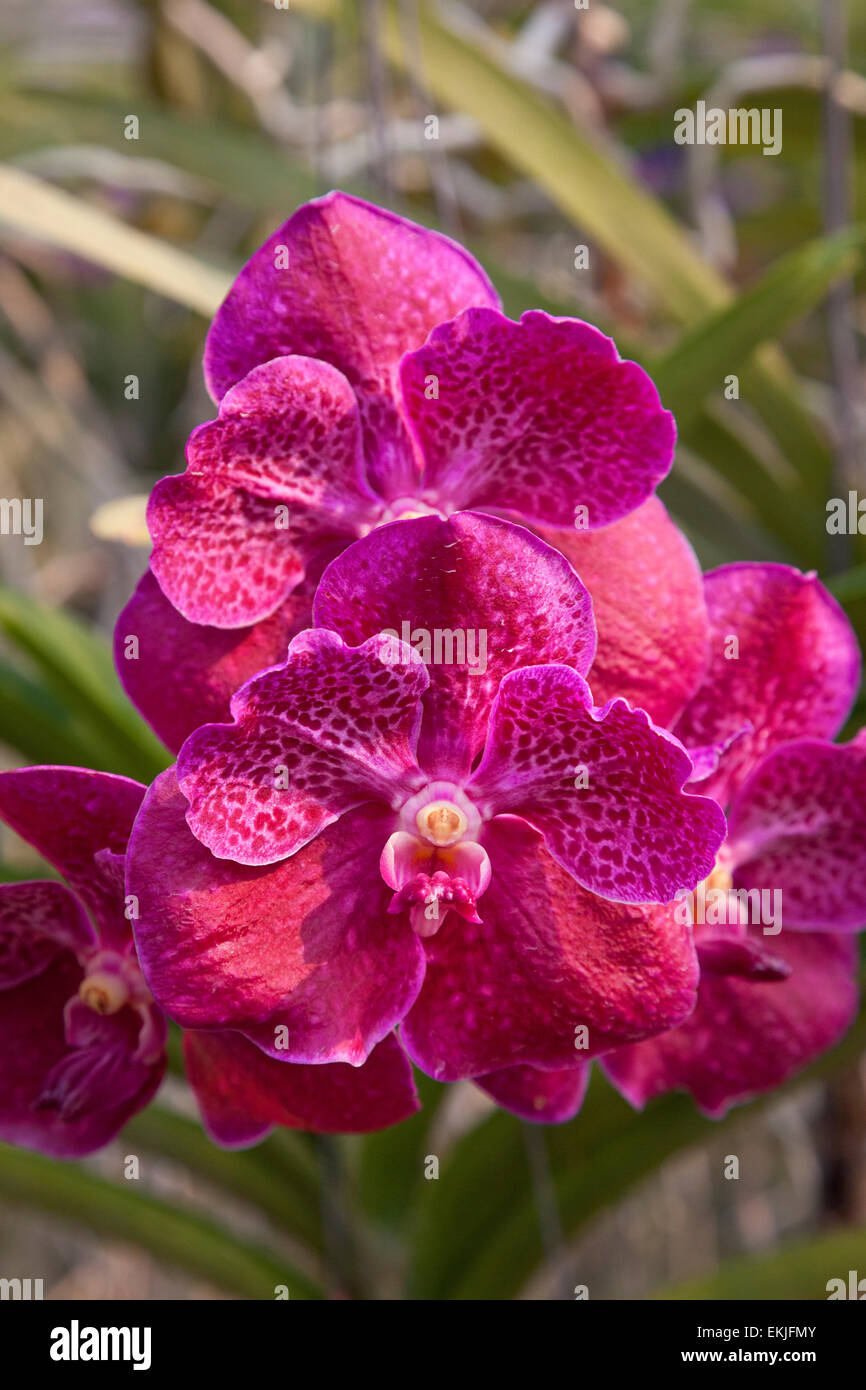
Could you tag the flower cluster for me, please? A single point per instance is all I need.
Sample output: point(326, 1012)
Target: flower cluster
point(475, 770)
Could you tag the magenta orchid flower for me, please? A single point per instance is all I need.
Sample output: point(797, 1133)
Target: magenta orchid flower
point(465, 850)
point(778, 969)
point(364, 372)
point(84, 1042)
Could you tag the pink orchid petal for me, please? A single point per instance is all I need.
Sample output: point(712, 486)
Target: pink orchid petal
point(220, 553)
point(357, 287)
point(648, 603)
point(737, 951)
point(472, 575)
point(181, 675)
point(306, 945)
point(37, 922)
point(746, 1037)
point(604, 786)
point(798, 825)
point(270, 482)
point(537, 417)
point(70, 815)
point(795, 674)
point(548, 959)
point(242, 1093)
point(334, 727)
point(545, 1097)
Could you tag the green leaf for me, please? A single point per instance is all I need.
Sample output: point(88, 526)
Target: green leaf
point(277, 1176)
point(76, 666)
point(797, 1271)
point(478, 1234)
point(30, 206)
point(170, 1232)
point(392, 1160)
point(37, 725)
point(849, 586)
point(243, 164)
point(723, 340)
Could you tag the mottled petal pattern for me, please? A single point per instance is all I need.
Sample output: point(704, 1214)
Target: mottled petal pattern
point(333, 728)
point(268, 483)
point(539, 417)
point(798, 825)
point(220, 553)
point(509, 598)
point(783, 660)
point(604, 786)
point(358, 287)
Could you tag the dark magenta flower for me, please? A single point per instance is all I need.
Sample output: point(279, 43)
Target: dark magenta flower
point(778, 971)
point(463, 848)
point(364, 372)
point(83, 1040)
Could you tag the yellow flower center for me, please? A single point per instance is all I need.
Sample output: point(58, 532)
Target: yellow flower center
point(103, 992)
point(441, 822)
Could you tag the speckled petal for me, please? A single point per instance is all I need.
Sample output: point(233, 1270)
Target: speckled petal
point(648, 604)
point(784, 664)
point(219, 553)
point(538, 417)
point(798, 825)
point(511, 599)
point(331, 729)
point(269, 483)
point(306, 946)
point(242, 1093)
point(547, 961)
point(358, 287)
point(604, 786)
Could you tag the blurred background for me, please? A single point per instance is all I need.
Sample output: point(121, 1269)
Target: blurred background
point(146, 148)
